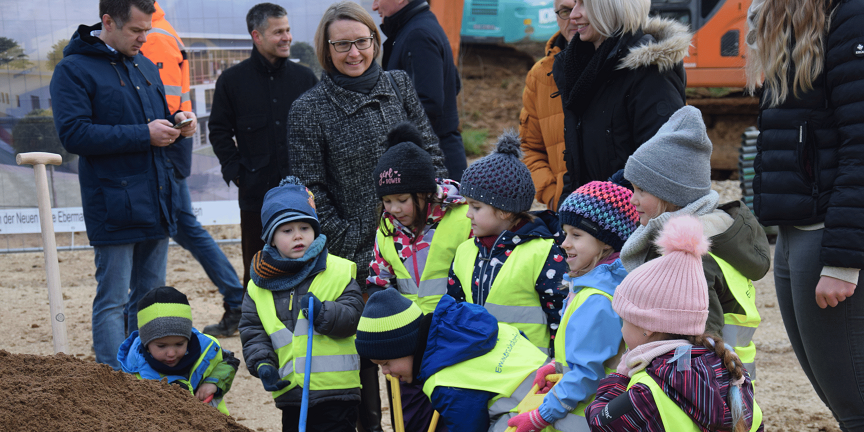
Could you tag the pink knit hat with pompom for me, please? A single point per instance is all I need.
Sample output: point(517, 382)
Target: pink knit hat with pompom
point(669, 294)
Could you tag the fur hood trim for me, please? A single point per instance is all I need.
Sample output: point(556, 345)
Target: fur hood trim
point(670, 46)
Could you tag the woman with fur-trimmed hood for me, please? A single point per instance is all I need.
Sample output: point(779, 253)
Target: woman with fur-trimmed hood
point(619, 81)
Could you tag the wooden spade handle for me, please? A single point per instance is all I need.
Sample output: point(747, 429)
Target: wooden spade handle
point(34, 158)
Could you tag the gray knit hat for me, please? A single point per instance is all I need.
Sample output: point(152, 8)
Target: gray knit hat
point(501, 179)
point(162, 312)
point(675, 164)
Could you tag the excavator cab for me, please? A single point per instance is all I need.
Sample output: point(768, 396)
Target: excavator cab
point(719, 27)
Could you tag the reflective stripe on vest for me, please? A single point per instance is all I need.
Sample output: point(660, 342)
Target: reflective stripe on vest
point(739, 329)
point(453, 229)
point(507, 370)
point(336, 364)
point(673, 417)
point(513, 298)
point(575, 419)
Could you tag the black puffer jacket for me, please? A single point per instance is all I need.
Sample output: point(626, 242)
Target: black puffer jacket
point(810, 163)
point(639, 85)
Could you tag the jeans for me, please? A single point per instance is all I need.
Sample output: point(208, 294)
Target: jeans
point(829, 343)
point(195, 239)
point(124, 274)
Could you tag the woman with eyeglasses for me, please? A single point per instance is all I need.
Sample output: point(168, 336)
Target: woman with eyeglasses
point(336, 134)
point(619, 80)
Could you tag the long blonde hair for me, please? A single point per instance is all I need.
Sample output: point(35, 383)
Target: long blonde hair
point(774, 24)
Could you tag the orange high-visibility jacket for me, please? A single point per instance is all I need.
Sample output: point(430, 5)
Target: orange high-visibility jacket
point(166, 50)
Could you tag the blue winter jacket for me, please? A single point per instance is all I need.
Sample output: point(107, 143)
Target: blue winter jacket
point(102, 104)
point(132, 361)
point(459, 332)
point(587, 350)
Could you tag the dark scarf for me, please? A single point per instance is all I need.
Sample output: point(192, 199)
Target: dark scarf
point(272, 272)
point(391, 25)
point(582, 67)
point(361, 84)
point(184, 366)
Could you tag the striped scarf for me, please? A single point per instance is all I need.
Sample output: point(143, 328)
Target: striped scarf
point(272, 272)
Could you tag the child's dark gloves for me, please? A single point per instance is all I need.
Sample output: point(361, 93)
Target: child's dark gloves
point(317, 306)
point(270, 378)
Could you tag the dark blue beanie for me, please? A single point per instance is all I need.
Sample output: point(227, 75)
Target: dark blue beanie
point(288, 202)
point(389, 326)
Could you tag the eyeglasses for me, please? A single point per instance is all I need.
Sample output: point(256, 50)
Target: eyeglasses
point(564, 13)
point(345, 45)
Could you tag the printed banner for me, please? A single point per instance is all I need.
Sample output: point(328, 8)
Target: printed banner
point(71, 219)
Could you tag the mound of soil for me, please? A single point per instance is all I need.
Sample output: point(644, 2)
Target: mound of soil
point(61, 392)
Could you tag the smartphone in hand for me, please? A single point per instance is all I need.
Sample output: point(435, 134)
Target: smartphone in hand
point(182, 124)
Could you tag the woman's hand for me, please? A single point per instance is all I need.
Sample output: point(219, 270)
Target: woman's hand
point(831, 291)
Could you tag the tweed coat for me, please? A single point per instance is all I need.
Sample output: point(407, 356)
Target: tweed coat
point(335, 137)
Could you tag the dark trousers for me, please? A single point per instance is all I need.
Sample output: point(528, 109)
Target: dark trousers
point(250, 240)
point(827, 342)
point(417, 409)
point(324, 417)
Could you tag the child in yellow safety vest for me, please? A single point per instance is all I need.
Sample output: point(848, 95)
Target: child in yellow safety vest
point(597, 219)
point(675, 376)
point(293, 268)
point(671, 175)
point(421, 223)
point(474, 369)
point(513, 266)
point(166, 346)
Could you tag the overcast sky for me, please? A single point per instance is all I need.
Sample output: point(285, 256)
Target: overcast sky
point(38, 24)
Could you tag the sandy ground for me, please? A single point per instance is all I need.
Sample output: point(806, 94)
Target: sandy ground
point(786, 397)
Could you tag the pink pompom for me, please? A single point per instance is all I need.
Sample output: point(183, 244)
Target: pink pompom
point(683, 234)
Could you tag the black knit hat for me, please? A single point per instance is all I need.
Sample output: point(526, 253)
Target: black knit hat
point(162, 312)
point(404, 167)
point(501, 179)
point(389, 326)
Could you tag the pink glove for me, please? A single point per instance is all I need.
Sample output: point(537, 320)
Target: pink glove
point(530, 421)
point(543, 386)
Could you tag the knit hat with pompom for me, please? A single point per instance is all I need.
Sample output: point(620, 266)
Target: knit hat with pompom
point(404, 167)
point(501, 179)
point(288, 202)
point(669, 294)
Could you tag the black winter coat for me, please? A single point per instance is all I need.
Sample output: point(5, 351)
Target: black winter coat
point(639, 86)
point(810, 161)
point(251, 104)
point(417, 44)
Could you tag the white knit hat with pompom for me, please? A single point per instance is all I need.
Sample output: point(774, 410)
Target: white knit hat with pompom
point(669, 294)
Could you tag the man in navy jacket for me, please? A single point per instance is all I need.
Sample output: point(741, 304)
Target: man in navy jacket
point(109, 108)
point(417, 44)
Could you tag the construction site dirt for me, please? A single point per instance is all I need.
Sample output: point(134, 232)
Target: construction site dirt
point(40, 389)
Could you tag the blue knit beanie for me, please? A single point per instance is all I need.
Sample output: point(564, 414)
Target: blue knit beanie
point(501, 179)
point(603, 210)
point(389, 326)
point(288, 202)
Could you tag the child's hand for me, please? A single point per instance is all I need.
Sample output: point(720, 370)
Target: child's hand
point(544, 386)
point(205, 390)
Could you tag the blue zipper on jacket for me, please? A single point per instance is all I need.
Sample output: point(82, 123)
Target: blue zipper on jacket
point(484, 264)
